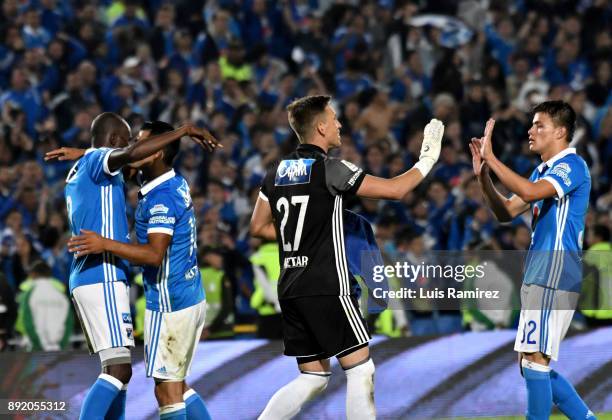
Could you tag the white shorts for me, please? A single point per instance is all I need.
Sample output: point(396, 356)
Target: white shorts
point(104, 312)
point(170, 341)
point(546, 315)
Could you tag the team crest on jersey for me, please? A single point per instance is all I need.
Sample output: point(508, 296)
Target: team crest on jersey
point(158, 208)
point(562, 170)
point(294, 171)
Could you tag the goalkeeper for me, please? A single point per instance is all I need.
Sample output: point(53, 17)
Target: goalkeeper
point(321, 317)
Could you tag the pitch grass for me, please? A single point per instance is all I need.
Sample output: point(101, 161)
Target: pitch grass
point(600, 416)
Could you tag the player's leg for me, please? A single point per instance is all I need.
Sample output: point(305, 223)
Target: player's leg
point(194, 404)
point(169, 395)
point(168, 357)
point(100, 308)
point(287, 402)
point(313, 365)
point(563, 393)
point(359, 369)
point(531, 342)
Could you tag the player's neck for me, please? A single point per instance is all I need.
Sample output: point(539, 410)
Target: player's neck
point(553, 151)
point(319, 142)
point(155, 171)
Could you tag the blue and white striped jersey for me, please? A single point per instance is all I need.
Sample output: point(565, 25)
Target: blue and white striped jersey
point(554, 257)
point(165, 207)
point(95, 201)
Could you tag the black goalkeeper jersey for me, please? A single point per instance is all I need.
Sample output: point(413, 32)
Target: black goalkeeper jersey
point(305, 191)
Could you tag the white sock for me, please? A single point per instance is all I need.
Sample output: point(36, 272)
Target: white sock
point(288, 400)
point(360, 392)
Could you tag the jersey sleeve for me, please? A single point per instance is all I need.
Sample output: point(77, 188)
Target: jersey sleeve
point(566, 175)
point(161, 214)
point(342, 177)
point(98, 164)
point(267, 185)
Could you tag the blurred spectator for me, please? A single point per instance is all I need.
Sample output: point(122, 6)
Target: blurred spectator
point(234, 66)
point(45, 316)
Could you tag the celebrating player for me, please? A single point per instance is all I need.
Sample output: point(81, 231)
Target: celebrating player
point(558, 194)
point(175, 301)
point(95, 201)
point(300, 205)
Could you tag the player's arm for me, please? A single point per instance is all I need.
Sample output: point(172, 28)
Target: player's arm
point(505, 209)
point(65, 153)
point(142, 149)
point(397, 187)
point(151, 253)
point(262, 222)
point(525, 189)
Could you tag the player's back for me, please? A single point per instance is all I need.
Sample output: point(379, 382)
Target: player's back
point(166, 207)
point(95, 200)
point(305, 191)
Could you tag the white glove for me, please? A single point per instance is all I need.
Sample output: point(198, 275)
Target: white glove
point(430, 149)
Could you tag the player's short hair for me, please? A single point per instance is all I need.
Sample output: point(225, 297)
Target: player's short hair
point(303, 111)
point(160, 127)
point(561, 113)
point(106, 124)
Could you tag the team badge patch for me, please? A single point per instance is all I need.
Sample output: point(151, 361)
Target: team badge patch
point(293, 172)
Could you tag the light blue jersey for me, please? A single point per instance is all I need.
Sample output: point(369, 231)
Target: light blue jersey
point(95, 201)
point(165, 207)
point(554, 257)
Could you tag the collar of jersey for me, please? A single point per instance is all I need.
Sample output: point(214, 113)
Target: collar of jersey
point(311, 147)
point(156, 182)
point(556, 157)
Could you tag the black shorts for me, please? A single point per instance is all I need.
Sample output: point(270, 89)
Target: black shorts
point(320, 327)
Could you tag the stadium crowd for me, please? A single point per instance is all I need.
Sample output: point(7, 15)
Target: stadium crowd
point(233, 66)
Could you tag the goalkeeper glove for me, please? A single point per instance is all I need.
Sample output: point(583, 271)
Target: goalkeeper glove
point(430, 149)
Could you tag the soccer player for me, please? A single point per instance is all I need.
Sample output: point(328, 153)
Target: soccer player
point(558, 194)
point(301, 205)
point(95, 201)
point(175, 299)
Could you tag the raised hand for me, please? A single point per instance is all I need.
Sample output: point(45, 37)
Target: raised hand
point(486, 146)
point(86, 243)
point(65, 153)
point(203, 137)
point(432, 140)
point(477, 163)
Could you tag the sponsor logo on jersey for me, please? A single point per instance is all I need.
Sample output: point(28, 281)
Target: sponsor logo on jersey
point(562, 170)
point(159, 208)
point(294, 171)
point(162, 220)
point(296, 262)
point(162, 370)
point(126, 317)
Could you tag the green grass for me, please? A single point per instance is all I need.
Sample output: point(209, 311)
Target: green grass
point(600, 416)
